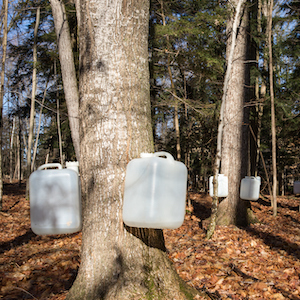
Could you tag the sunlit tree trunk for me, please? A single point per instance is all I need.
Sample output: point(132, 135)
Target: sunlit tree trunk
point(117, 262)
point(38, 129)
point(67, 69)
point(234, 162)
point(33, 92)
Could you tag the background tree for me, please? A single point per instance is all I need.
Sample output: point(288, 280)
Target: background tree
point(234, 144)
point(4, 47)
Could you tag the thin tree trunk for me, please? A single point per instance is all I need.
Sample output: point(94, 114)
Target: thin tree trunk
point(67, 69)
point(58, 118)
point(33, 92)
point(173, 89)
point(273, 119)
point(19, 146)
point(11, 150)
point(59, 133)
point(38, 128)
point(4, 47)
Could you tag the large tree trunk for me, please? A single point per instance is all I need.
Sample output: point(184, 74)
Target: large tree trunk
point(67, 69)
point(234, 161)
point(117, 262)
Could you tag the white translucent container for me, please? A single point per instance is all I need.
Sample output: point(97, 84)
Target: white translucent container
point(155, 192)
point(55, 201)
point(73, 165)
point(250, 187)
point(296, 188)
point(222, 186)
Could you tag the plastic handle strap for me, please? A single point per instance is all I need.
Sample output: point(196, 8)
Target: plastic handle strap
point(54, 165)
point(162, 153)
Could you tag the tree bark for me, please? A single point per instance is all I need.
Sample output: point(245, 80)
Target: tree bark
point(67, 69)
point(33, 92)
point(4, 48)
point(273, 120)
point(11, 150)
point(117, 262)
point(232, 210)
point(231, 46)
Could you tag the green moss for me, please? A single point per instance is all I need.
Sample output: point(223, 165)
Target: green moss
point(185, 289)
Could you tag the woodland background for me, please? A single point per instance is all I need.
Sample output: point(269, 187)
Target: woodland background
point(187, 43)
point(187, 63)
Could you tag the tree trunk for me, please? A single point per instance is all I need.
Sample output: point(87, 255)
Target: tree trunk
point(33, 92)
point(67, 69)
point(38, 128)
point(232, 210)
point(273, 120)
point(117, 262)
point(4, 47)
point(11, 151)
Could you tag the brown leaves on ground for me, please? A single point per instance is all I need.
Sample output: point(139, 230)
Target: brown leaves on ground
point(258, 262)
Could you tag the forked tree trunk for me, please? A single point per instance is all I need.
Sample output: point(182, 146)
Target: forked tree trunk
point(117, 262)
point(233, 210)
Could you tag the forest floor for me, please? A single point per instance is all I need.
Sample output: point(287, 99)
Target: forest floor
point(258, 262)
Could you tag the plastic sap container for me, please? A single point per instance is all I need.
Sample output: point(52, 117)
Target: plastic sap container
point(222, 186)
point(155, 192)
point(73, 165)
point(296, 187)
point(55, 200)
point(250, 187)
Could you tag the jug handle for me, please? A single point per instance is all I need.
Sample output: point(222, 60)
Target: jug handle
point(45, 166)
point(162, 153)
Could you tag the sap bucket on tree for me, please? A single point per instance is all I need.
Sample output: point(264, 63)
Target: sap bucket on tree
point(55, 200)
point(250, 187)
point(296, 187)
point(222, 186)
point(155, 192)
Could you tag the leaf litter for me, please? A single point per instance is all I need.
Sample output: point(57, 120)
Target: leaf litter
point(261, 261)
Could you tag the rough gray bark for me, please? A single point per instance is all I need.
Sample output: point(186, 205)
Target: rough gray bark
point(231, 47)
point(117, 262)
point(232, 210)
point(67, 69)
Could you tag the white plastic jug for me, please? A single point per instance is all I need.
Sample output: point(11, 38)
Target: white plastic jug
point(296, 188)
point(73, 165)
point(55, 201)
point(222, 186)
point(155, 192)
point(250, 187)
